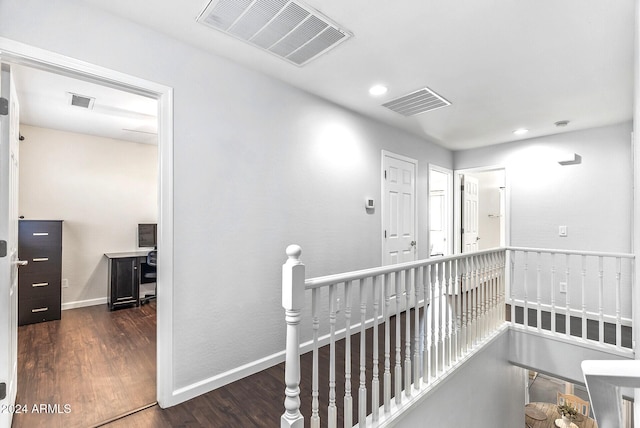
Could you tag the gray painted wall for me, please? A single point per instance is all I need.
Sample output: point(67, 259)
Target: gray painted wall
point(593, 199)
point(459, 402)
point(257, 165)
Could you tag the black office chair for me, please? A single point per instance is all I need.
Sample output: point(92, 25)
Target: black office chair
point(152, 258)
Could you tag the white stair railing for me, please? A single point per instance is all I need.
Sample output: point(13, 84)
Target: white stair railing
point(448, 307)
point(576, 295)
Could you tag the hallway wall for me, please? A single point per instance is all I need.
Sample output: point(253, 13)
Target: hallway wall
point(100, 187)
point(593, 199)
point(257, 165)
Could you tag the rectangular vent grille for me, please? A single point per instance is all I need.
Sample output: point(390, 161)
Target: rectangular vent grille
point(80, 100)
point(417, 102)
point(287, 29)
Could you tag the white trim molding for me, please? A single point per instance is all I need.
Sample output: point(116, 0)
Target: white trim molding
point(15, 52)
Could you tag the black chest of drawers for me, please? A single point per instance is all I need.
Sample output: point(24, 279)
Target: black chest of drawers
point(39, 282)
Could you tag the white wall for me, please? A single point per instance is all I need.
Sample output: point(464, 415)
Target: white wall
point(593, 199)
point(485, 392)
point(257, 165)
point(102, 188)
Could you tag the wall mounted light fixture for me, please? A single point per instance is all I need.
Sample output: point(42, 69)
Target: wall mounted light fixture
point(577, 159)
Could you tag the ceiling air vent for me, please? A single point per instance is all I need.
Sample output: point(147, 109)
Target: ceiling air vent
point(290, 30)
point(80, 100)
point(417, 102)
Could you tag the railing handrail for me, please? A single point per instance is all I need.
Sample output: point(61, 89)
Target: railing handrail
point(322, 281)
point(572, 252)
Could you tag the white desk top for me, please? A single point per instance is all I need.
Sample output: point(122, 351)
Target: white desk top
point(138, 253)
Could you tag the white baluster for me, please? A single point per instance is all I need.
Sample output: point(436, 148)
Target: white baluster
point(398, 343)
point(553, 292)
point(495, 258)
point(583, 281)
point(315, 387)
point(447, 315)
point(493, 268)
point(473, 306)
point(502, 287)
point(362, 391)
point(526, 293)
point(512, 266)
point(332, 410)
point(601, 299)
point(482, 296)
point(407, 335)
point(432, 349)
point(568, 298)
point(441, 304)
point(417, 275)
point(425, 325)
point(618, 305)
point(348, 399)
point(455, 327)
point(375, 381)
point(293, 277)
point(538, 293)
point(464, 295)
point(387, 344)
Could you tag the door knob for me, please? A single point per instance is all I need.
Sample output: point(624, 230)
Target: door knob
point(22, 262)
point(413, 243)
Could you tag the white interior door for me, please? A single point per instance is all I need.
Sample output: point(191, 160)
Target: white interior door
point(399, 209)
point(9, 137)
point(470, 215)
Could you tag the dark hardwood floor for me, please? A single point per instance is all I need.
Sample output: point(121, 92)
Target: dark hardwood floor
point(88, 367)
point(102, 364)
point(257, 400)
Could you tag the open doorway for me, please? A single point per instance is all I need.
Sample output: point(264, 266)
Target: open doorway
point(17, 53)
point(440, 211)
point(480, 209)
point(93, 167)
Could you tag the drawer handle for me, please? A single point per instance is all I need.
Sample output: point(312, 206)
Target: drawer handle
point(41, 259)
point(40, 284)
point(40, 233)
point(39, 310)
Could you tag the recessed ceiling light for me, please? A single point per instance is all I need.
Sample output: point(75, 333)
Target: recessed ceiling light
point(520, 131)
point(378, 90)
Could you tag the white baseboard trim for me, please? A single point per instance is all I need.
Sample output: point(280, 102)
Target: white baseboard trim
point(84, 303)
point(207, 385)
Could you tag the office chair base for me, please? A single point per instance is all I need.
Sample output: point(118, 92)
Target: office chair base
point(147, 298)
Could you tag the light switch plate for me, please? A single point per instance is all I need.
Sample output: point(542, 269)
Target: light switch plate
point(562, 231)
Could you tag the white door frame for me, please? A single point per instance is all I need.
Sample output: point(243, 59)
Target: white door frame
point(449, 208)
point(457, 194)
point(383, 200)
point(20, 53)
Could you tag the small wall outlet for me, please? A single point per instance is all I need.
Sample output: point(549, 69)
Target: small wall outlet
point(562, 231)
point(563, 287)
point(65, 283)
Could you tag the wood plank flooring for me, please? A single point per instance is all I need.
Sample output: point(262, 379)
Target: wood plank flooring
point(257, 401)
point(100, 364)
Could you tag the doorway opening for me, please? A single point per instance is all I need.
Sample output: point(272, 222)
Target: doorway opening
point(480, 204)
point(16, 53)
point(440, 211)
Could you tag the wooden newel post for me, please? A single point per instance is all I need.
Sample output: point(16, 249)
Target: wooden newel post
point(292, 302)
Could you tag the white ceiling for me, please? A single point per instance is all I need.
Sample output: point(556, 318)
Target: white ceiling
point(503, 64)
point(45, 102)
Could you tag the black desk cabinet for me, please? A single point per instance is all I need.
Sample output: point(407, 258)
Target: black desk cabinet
point(124, 282)
point(39, 282)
